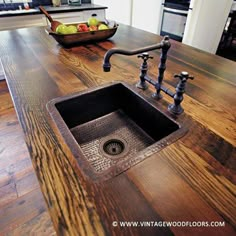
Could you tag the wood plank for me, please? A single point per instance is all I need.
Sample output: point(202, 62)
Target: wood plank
point(118, 208)
point(8, 193)
point(40, 225)
point(192, 197)
point(21, 211)
point(26, 184)
point(22, 207)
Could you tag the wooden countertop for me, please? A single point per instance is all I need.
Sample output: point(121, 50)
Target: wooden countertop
point(191, 180)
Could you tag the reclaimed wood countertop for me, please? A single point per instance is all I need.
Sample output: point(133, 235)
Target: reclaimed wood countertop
point(191, 180)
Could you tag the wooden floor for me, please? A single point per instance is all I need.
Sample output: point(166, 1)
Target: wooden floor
point(22, 208)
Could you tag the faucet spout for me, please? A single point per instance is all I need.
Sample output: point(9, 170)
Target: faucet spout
point(164, 44)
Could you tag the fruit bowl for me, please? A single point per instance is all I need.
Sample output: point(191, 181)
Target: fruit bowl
point(68, 40)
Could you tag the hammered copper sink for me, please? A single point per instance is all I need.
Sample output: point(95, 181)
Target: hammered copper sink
point(111, 128)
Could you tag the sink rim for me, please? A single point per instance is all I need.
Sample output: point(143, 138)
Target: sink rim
point(82, 162)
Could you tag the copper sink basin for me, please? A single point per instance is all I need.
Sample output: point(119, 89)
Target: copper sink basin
point(111, 128)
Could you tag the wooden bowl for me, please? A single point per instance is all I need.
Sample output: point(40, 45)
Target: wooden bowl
point(68, 40)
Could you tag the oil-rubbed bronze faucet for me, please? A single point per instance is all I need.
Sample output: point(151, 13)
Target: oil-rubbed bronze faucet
point(174, 108)
point(164, 45)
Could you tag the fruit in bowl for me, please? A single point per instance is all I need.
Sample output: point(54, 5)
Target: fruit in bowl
point(92, 25)
point(83, 35)
point(82, 27)
point(93, 21)
point(93, 28)
point(71, 29)
point(61, 29)
point(64, 29)
point(103, 27)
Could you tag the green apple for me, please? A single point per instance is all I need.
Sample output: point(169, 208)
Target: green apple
point(61, 29)
point(71, 29)
point(92, 21)
point(103, 27)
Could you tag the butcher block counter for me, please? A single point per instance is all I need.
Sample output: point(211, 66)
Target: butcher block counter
point(186, 188)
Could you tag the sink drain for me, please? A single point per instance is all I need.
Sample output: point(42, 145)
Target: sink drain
point(114, 147)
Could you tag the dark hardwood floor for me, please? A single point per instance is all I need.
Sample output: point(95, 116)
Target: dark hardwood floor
point(22, 208)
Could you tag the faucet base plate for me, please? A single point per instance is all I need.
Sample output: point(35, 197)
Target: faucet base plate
point(142, 85)
point(157, 96)
point(176, 110)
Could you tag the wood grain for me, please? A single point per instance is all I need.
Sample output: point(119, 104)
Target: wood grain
point(22, 208)
point(170, 182)
point(190, 180)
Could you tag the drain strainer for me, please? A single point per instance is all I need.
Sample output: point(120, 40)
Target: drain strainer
point(114, 147)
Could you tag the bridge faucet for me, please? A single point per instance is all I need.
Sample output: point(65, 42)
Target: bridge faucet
point(164, 45)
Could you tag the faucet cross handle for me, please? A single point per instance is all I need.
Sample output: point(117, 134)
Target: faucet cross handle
point(143, 71)
point(145, 56)
point(184, 76)
point(176, 108)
